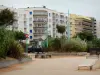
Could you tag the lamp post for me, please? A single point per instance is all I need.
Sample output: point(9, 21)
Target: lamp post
point(47, 36)
point(27, 36)
point(68, 25)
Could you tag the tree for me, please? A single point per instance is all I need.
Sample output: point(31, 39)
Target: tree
point(61, 29)
point(96, 43)
point(7, 17)
point(19, 35)
point(56, 44)
point(88, 36)
point(6, 37)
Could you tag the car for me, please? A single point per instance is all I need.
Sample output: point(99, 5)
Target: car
point(35, 49)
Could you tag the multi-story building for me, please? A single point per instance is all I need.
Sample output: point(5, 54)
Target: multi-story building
point(80, 23)
point(98, 29)
point(40, 22)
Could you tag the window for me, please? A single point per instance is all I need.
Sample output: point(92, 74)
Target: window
point(30, 25)
point(30, 13)
point(49, 14)
point(49, 26)
point(30, 37)
point(38, 25)
point(70, 22)
point(30, 31)
point(30, 19)
point(24, 15)
point(24, 29)
point(49, 20)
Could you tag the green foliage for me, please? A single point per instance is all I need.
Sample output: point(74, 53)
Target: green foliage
point(88, 36)
point(56, 44)
point(61, 29)
point(19, 35)
point(5, 38)
point(89, 44)
point(94, 43)
point(8, 45)
point(76, 45)
point(7, 17)
point(64, 45)
point(15, 50)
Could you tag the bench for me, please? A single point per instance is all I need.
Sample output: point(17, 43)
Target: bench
point(87, 63)
point(42, 55)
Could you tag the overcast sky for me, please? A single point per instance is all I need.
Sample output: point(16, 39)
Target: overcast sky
point(81, 7)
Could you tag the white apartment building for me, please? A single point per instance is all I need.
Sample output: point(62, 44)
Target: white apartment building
point(39, 22)
point(98, 29)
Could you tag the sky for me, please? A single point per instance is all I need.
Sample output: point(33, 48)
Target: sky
point(81, 7)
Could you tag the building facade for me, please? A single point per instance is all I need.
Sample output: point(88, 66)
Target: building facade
point(80, 23)
point(40, 22)
point(98, 29)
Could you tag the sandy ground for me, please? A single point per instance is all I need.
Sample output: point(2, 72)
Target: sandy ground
point(54, 66)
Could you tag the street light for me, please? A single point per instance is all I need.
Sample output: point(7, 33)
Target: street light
point(27, 36)
point(47, 35)
point(68, 25)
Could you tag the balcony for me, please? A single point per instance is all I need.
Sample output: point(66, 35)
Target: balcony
point(94, 23)
point(86, 23)
point(40, 21)
point(39, 33)
point(87, 29)
point(40, 27)
point(40, 14)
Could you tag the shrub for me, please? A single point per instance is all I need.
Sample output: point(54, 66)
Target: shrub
point(56, 44)
point(15, 50)
point(5, 37)
point(96, 43)
point(76, 45)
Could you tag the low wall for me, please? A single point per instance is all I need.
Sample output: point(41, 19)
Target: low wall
point(70, 53)
point(8, 63)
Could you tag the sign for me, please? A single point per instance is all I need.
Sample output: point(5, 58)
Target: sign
point(26, 35)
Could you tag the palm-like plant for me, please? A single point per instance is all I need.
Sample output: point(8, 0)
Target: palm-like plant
point(61, 29)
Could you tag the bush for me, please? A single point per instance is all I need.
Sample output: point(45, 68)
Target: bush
point(76, 45)
point(5, 38)
point(96, 43)
point(56, 44)
point(15, 50)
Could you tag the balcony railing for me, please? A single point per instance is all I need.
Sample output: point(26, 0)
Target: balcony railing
point(39, 27)
point(87, 29)
point(40, 21)
point(40, 14)
point(39, 33)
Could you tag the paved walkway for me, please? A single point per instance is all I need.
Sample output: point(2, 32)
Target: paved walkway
point(56, 66)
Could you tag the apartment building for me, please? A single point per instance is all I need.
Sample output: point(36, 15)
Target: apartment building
point(38, 22)
point(98, 29)
point(41, 21)
point(80, 23)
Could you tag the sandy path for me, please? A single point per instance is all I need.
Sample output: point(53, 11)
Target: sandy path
point(55, 66)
